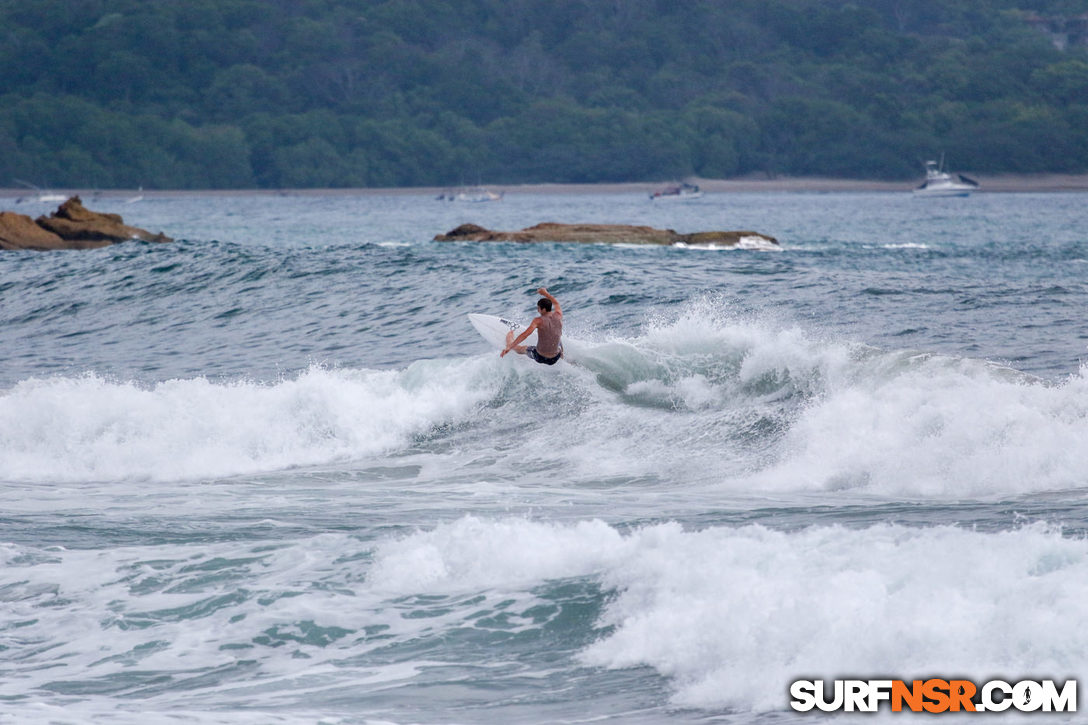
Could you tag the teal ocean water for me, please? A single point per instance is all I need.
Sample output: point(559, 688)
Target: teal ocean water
point(270, 474)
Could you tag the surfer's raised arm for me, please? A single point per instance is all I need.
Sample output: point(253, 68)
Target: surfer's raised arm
point(555, 303)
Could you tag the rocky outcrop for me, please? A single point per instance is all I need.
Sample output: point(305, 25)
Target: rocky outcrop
point(18, 231)
point(71, 226)
point(602, 234)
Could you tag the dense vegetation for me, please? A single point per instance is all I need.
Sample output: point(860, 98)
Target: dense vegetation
point(305, 93)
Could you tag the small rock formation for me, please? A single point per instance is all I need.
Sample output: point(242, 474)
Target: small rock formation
point(600, 234)
point(71, 226)
point(18, 231)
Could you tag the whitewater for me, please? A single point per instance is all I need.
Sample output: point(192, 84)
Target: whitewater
point(269, 473)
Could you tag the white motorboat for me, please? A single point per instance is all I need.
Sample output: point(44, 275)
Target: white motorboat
point(477, 195)
point(42, 196)
point(677, 192)
point(941, 183)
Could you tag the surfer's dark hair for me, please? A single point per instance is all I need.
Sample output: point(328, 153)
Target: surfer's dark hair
point(545, 304)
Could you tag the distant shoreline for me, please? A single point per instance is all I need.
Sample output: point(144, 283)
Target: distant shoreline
point(996, 183)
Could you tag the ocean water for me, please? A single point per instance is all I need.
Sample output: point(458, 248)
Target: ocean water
point(269, 473)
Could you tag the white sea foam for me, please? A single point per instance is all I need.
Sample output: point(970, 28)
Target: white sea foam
point(733, 615)
point(89, 428)
point(745, 404)
point(268, 624)
point(749, 243)
point(895, 423)
point(729, 615)
point(473, 554)
point(938, 427)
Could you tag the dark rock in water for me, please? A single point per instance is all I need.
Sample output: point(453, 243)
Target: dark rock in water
point(465, 232)
point(71, 226)
point(552, 232)
point(727, 239)
point(600, 234)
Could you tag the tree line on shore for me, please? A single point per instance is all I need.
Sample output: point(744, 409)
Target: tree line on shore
point(362, 93)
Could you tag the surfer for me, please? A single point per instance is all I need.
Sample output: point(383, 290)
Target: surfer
point(549, 328)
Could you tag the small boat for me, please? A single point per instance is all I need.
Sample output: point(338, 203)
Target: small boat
point(43, 196)
point(941, 183)
point(477, 195)
point(677, 192)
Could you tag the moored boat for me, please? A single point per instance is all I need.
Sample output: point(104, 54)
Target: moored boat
point(677, 192)
point(478, 194)
point(41, 196)
point(941, 183)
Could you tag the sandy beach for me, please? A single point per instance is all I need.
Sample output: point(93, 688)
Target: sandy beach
point(988, 183)
point(996, 183)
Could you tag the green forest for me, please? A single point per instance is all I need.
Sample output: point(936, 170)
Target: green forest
point(214, 94)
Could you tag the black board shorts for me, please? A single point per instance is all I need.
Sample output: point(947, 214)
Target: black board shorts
point(531, 352)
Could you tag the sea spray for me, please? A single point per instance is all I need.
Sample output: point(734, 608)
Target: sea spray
point(744, 404)
point(935, 426)
point(91, 428)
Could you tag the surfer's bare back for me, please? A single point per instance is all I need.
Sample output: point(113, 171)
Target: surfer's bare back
point(549, 329)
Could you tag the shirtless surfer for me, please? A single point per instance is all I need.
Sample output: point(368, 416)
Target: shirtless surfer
point(548, 327)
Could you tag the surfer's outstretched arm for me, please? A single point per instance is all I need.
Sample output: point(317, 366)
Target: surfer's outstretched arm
point(514, 344)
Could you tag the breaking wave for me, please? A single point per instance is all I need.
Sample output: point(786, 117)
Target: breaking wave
point(740, 404)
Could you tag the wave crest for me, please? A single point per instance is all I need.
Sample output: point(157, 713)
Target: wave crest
point(90, 428)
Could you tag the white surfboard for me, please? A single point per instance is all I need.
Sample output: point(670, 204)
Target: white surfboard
point(494, 329)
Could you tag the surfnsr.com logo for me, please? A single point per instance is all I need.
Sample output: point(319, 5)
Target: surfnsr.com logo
point(934, 695)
